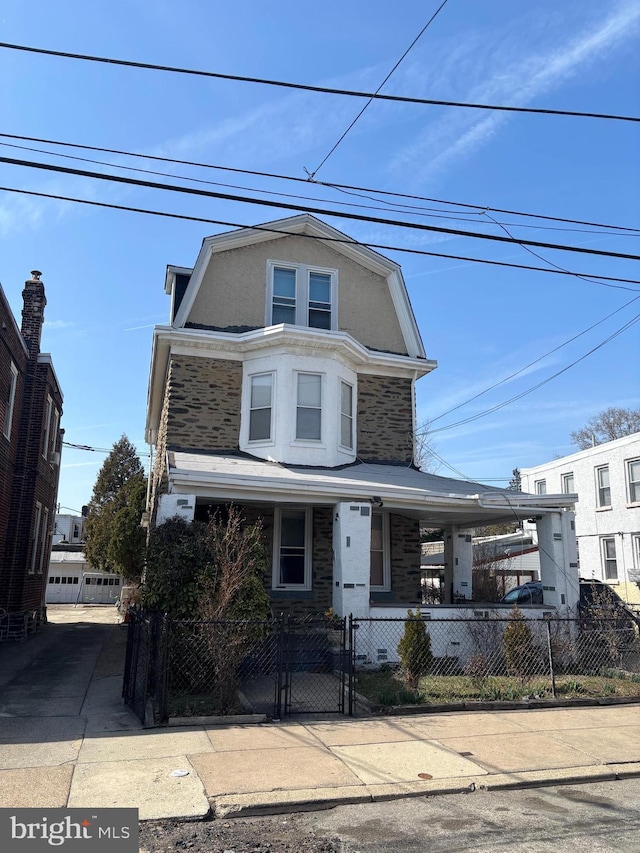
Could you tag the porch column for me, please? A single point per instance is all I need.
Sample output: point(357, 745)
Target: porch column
point(558, 559)
point(458, 564)
point(175, 504)
point(351, 558)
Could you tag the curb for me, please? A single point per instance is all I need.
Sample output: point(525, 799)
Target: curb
point(279, 802)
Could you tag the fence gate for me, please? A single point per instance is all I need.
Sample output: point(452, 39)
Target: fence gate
point(137, 661)
point(313, 667)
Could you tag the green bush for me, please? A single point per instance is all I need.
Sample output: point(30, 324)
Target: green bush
point(414, 649)
point(520, 652)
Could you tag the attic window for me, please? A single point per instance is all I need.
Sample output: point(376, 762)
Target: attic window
point(301, 295)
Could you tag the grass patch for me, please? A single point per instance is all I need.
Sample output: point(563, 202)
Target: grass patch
point(202, 705)
point(385, 687)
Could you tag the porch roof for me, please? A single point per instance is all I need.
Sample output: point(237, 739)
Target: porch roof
point(435, 500)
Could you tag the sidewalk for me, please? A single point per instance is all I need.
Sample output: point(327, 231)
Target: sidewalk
point(99, 755)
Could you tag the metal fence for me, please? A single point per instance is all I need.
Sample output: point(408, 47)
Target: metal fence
point(291, 666)
point(275, 667)
point(402, 661)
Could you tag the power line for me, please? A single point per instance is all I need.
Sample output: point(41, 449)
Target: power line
point(416, 210)
point(604, 279)
point(540, 384)
point(49, 167)
point(365, 107)
point(532, 363)
point(94, 449)
point(479, 207)
point(308, 88)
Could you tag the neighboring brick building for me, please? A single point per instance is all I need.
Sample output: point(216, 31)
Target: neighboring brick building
point(30, 444)
point(285, 383)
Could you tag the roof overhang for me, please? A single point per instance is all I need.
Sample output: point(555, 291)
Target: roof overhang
point(435, 501)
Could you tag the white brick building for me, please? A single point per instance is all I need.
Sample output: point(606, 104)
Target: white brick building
point(606, 479)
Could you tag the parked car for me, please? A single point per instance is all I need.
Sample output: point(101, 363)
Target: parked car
point(525, 595)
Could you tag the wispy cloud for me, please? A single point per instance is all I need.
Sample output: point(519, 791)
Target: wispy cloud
point(513, 74)
point(58, 324)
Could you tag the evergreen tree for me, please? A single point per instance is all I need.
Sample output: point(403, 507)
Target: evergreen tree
point(113, 538)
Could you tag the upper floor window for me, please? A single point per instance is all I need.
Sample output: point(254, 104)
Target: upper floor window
point(47, 428)
point(301, 295)
point(603, 486)
point(309, 407)
point(346, 415)
point(568, 484)
point(260, 407)
point(541, 487)
point(633, 480)
point(11, 398)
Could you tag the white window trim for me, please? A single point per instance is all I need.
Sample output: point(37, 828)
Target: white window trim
point(386, 555)
point(53, 438)
point(8, 418)
point(35, 538)
point(540, 484)
point(45, 534)
point(635, 549)
point(606, 559)
point(47, 428)
point(600, 505)
point(349, 448)
point(565, 477)
point(628, 463)
point(308, 543)
point(261, 442)
point(302, 292)
point(308, 442)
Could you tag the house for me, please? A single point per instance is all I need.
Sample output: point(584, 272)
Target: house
point(71, 580)
point(68, 529)
point(284, 383)
point(30, 444)
point(606, 480)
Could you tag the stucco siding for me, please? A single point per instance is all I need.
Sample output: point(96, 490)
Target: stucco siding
point(233, 291)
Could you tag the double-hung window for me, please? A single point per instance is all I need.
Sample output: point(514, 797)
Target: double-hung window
point(309, 407)
point(541, 487)
point(261, 407)
point(609, 562)
point(633, 480)
point(568, 484)
point(35, 533)
point(292, 549)
point(635, 545)
point(603, 484)
point(47, 428)
point(45, 538)
point(379, 577)
point(301, 296)
point(346, 415)
point(11, 398)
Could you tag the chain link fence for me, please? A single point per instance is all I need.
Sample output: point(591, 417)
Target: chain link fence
point(274, 667)
point(421, 661)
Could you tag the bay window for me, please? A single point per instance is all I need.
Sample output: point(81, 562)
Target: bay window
point(346, 415)
point(309, 407)
point(260, 407)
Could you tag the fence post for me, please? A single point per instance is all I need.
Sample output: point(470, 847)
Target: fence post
point(350, 662)
point(281, 632)
point(162, 688)
point(550, 650)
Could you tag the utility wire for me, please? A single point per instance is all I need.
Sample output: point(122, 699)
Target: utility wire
point(416, 210)
point(502, 405)
point(531, 363)
point(407, 51)
point(478, 207)
point(604, 279)
point(307, 88)
point(49, 167)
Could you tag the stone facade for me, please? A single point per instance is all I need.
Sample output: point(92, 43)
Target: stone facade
point(385, 419)
point(204, 397)
point(405, 560)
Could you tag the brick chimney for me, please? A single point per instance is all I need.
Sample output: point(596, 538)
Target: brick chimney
point(33, 312)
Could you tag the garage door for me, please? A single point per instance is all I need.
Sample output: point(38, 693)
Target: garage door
point(100, 590)
point(62, 589)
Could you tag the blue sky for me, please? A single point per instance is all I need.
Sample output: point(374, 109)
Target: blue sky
point(104, 270)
